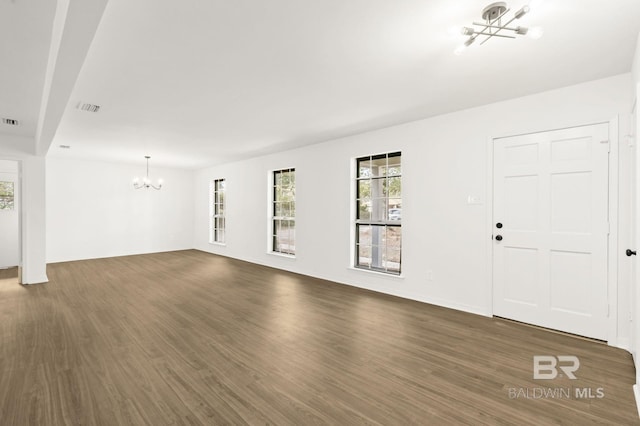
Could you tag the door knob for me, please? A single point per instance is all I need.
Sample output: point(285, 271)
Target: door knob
point(498, 225)
point(498, 237)
point(630, 252)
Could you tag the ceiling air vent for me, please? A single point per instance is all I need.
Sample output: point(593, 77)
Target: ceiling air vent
point(10, 121)
point(88, 107)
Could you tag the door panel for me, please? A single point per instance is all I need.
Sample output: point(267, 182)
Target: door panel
point(521, 203)
point(551, 195)
point(570, 203)
point(522, 262)
point(567, 268)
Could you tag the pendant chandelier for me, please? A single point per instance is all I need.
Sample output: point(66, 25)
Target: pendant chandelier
point(494, 26)
point(146, 182)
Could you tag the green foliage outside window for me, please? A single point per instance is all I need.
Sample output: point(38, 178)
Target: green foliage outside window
point(6, 196)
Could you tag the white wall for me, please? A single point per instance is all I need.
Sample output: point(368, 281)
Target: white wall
point(93, 210)
point(10, 219)
point(444, 161)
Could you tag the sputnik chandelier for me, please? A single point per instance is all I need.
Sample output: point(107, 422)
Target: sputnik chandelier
point(146, 182)
point(493, 26)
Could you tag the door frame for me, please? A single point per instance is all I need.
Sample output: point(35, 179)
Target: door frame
point(612, 261)
point(21, 213)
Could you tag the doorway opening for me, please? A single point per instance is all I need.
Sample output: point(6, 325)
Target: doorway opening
point(10, 222)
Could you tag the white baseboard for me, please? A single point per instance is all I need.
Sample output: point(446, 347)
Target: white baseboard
point(35, 280)
point(622, 343)
point(341, 280)
point(636, 392)
point(456, 306)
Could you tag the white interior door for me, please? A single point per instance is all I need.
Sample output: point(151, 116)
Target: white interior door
point(633, 244)
point(551, 229)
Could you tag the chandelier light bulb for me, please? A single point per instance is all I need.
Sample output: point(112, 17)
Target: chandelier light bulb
point(455, 30)
point(460, 50)
point(535, 33)
point(523, 11)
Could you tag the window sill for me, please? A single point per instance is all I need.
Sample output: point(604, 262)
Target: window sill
point(285, 255)
point(374, 272)
point(215, 243)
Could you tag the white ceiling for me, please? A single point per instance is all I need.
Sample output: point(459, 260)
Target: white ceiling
point(25, 37)
point(194, 83)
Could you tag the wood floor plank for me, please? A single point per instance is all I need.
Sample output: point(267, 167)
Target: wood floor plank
point(189, 338)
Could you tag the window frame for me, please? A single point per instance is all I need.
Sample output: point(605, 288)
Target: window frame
point(276, 219)
point(385, 224)
point(9, 201)
point(218, 208)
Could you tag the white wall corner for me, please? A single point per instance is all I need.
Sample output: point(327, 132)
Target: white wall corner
point(107, 217)
point(635, 67)
point(636, 392)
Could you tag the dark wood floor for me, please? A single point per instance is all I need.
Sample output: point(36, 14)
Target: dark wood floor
point(191, 338)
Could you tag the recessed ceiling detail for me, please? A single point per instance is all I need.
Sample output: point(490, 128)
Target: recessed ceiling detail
point(10, 121)
point(88, 107)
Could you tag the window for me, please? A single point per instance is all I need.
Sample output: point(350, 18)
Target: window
point(6, 196)
point(218, 211)
point(379, 213)
point(284, 211)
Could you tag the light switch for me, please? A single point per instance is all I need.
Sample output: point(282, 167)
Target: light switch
point(474, 199)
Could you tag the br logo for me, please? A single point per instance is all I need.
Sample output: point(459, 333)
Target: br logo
point(545, 367)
